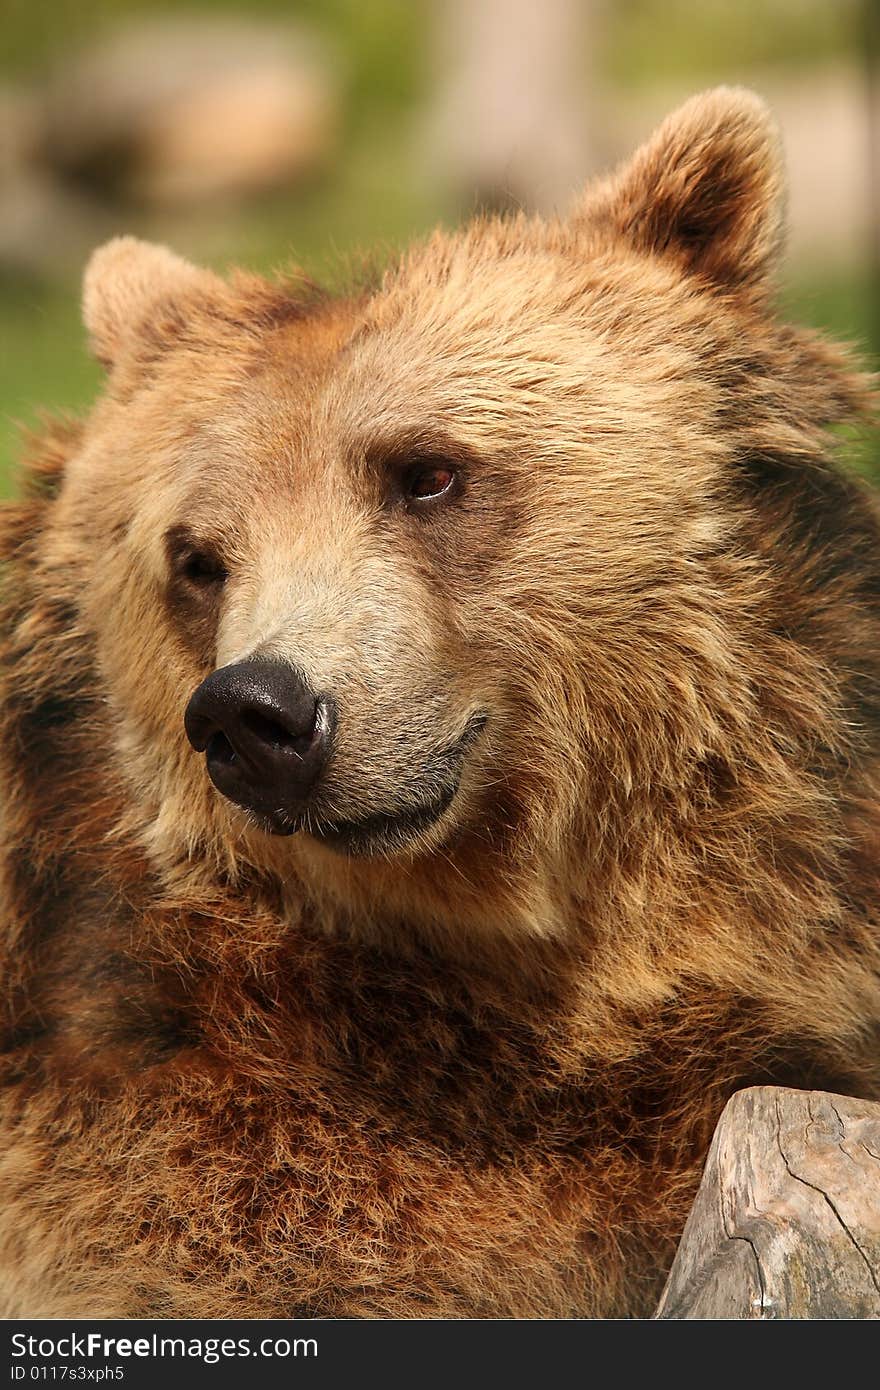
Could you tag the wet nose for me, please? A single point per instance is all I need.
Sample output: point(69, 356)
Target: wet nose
point(265, 735)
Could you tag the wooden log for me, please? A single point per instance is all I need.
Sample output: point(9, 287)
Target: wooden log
point(786, 1222)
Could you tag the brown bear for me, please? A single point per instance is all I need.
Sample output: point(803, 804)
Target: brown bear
point(440, 742)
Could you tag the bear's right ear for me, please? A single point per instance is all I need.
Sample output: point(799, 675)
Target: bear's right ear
point(708, 188)
point(127, 282)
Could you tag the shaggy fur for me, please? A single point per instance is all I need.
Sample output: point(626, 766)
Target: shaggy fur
point(474, 1072)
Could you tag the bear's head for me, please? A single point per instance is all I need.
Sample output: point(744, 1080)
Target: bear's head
point(428, 595)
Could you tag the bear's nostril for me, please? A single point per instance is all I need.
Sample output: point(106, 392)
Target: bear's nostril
point(220, 750)
point(274, 733)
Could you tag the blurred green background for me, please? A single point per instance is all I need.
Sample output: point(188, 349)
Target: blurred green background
point(399, 139)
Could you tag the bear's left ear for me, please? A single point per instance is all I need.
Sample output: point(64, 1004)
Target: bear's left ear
point(128, 287)
point(708, 188)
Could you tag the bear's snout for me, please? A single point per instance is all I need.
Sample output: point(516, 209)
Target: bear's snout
point(266, 737)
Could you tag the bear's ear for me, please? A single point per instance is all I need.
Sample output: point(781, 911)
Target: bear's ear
point(708, 188)
point(127, 282)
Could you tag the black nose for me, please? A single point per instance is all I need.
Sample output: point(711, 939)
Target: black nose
point(266, 736)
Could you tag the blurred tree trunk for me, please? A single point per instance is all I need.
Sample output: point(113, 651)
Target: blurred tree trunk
point(872, 54)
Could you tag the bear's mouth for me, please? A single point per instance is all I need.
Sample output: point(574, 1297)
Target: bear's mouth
point(384, 832)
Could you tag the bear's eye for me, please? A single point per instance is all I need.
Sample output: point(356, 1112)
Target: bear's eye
point(428, 482)
point(193, 563)
point(201, 569)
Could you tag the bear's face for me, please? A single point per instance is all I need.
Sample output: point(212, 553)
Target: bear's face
point(385, 574)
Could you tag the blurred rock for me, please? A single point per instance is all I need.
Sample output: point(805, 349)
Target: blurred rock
point(45, 228)
point(20, 128)
point(178, 110)
point(41, 221)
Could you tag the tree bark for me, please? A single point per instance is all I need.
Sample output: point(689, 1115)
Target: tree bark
point(786, 1223)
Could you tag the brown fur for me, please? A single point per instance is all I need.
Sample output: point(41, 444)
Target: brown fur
point(475, 1074)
